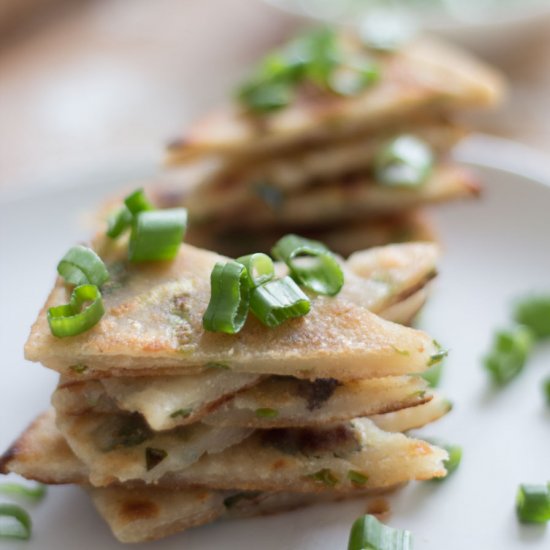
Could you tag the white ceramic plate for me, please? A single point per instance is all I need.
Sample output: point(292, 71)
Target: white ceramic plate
point(496, 249)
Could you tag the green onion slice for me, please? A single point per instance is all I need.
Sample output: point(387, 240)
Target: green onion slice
point(33, 493)
point(311, 264)
point(259, 268)
point(137, 202)
point(367, 533)
point(157, 234)
point(534, 313)
point(433, 375)
point(81, 266)
point(509, 354)
point(455, 456)
point(406, 161)
point(15, 523)
point(267, 413)
point(533, 503)
point(229, 298)
point(72, 318)
point(325, 477)
point(266, 97)
point(357, 478)
point(278, 300)
point(352, 78)
point(119, 222)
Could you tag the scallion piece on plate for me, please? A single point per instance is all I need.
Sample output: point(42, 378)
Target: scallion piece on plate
point(405, 161)
point(15, 523)
point(137, 202)
point(265, 97)
point(509, 353)
point(259, 268)
point(534, 313)
point(533, 503)
point(433, 375)
point(157, 234)
point(311, 264)
point(83, 311)
point(367, 533)
point(278, 300)
point(33, 493)
point(119, 222)
point(229, 298)
point(455, 456)
point(82, 266)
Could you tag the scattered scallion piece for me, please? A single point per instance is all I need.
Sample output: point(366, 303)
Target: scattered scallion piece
point(15, 523)
point(119, 222)
point(278, 300)
point(229, 298)
point(534, 313)
point(76, 317)
point(311, 264)
point(137, 202)
point(266, 97)
point(509, 353)
point(433, 374)
point(259, 268)
point(455, 456)
point(405, 161)
point(546, 388)
point(157, 234)
point(357, 478)
point(367, 533)
point(352, 78)
point(81, 266)
point(33, 493)
point(533, 503)
point(267, 413)
point(324, 477)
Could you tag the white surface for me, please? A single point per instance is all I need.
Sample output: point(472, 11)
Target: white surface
point(496, 249)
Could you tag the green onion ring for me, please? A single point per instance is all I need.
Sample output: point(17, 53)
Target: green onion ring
point(81, 266)
point(533, 503)
point(157, 234)
point(137, 202)
point(71, 319)
point(259, 267)
point(278, 300)
point(34, 493)
point(119, 222)
point(369, 533)
point(21, 526)
point(229, 298)
point(322, 274)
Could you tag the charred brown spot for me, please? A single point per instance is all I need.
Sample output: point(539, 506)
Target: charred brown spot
point(279, 464)
point(133, 510)
point(318, 391)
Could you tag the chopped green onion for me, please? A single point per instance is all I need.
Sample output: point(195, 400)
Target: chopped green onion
point(183, 413)
point(72, 319)
point(534, 313)
point(266, 97)
point(324, 477)
point(509, 353)
point(221, 366)
point(15, 523)
point(323, 54)
point(278, 300)
point(35, 493)
point(357, 478)
point(311, 264)
point(119, 222)
point(352, 78)
point(81, 266)
point(153, 457)
point(157, 234)
point(433, 375)
point(367, 533)
point(137, 202)
point(267, 413)
point(533, 503)
point(259, 268)
point(405, 161)
point(454, 451)
point(229, 298)
point(79, 368)
point(546, 388)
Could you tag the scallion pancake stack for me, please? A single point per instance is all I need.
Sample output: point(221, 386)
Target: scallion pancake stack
point(168, 426)
point(351, 166)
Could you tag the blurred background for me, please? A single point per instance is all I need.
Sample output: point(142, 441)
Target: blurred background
point(94, 89)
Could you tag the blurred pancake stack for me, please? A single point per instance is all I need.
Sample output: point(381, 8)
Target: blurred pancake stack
point(335, 136)
point(169, 427)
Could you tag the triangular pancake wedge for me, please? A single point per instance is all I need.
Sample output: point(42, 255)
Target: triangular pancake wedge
point(153, 324)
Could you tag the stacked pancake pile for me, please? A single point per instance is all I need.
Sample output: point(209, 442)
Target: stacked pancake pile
point(329, 165)
point(168, 426)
